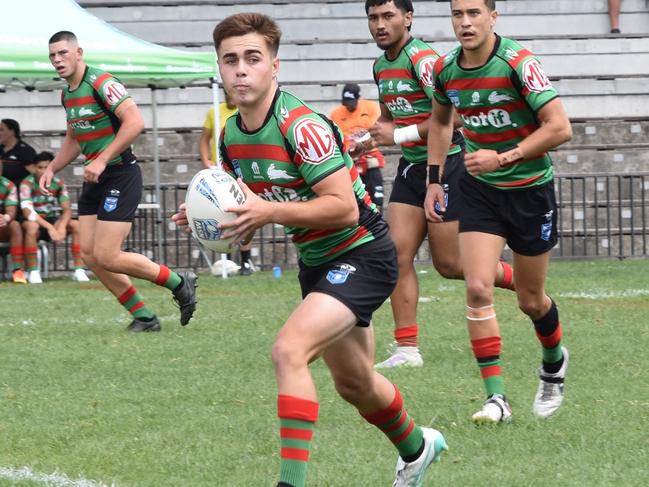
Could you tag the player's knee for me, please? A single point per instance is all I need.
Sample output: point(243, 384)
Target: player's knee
point(106, 259)
point(285, 355)
point(531, 305)
point(30, 228)
point(353, 388)
point(448, 269)
point(479, 291)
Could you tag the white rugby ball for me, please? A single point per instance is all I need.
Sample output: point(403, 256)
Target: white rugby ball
point(210, 192)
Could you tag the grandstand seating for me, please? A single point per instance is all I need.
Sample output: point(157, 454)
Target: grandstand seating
point(603, 79)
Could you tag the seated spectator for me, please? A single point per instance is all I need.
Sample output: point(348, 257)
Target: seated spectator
point(14, 153)
point(43, 221)
point(614, 15)
point(354, 117)
point(10, 230)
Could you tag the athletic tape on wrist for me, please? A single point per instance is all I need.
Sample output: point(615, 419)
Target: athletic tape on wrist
point(410, 133)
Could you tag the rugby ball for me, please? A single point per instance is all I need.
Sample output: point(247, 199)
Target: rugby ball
point(210, 192)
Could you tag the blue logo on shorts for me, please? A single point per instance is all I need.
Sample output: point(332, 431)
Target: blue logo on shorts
point(340, 275)
point(546, 231)
point(110, 203)
point(438, 210)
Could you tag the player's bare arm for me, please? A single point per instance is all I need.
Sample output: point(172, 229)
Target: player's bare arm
point(131, 126)
point(382, 131)
point(70, 150)
point(555, 129)
point(334, 207)
point(65, 218)
point(8, 216)
point(440, 133)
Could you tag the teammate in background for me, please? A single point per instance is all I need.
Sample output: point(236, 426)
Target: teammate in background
point(207, 150)
point(355, 117)
point(9, 227)
point(47, 217)
point(512, 117)
point(404, 75)
point(15, 154)
point(103, 121)
point(347, 260)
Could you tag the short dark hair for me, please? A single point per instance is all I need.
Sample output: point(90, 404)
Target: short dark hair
point(62, 35)
point(403, 5)
point(247, 23)
point(491, 4)
point(12, 125)
point(43, 156)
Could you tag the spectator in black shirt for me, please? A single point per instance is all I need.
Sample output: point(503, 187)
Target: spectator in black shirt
point(14, 153)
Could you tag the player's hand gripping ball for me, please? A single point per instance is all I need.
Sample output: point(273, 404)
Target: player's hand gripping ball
point(210, 192)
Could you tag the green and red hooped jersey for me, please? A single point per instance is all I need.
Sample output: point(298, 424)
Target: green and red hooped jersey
point(406, 87)
point(45, 205)
point(498, 103)
point(8, 195)
point(90, 112)
point(294, 150)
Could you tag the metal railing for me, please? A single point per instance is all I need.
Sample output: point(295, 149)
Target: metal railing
point(600, 216)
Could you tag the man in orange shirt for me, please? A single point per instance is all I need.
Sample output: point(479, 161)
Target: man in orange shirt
point(354, 117)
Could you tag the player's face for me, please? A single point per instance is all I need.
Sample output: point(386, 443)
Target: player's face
point(65, 56)
point(248, 69)
point(473, 22)
point(388, 25)
point(5, 134)
point(40, 168)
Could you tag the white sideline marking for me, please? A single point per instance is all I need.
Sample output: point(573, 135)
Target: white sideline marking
point(49, 479)
point(626, 293)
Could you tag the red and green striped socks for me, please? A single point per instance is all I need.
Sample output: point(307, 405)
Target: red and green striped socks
point(168, 278)
point(399, 427)
point(132, 301)
point(487, 353)
point(17, 257)
point(31, 259)
point(507, 281)
point(297, 418)
point(548, 331)
point(77, 261)
point(406, 336)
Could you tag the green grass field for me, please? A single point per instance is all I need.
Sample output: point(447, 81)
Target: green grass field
point(195, 406)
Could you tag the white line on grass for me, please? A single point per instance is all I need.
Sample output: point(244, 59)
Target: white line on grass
point(624, 293)
point(49, 479)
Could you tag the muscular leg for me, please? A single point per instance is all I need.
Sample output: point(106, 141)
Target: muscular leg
point(315, 324)
point(116, 283)
point(445, 249)
point(480, 253)
point(407, 229)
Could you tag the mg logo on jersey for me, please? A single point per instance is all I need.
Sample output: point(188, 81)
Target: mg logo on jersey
point(534, 77)
point(426, 72)
point(314, 141)
point(113, 92)
point(399, 104)
point(496, 118)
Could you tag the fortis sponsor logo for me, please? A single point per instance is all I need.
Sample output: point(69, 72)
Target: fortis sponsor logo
point(494, 118)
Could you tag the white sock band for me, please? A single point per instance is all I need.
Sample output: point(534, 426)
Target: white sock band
point(482, 318)
point(487, 306)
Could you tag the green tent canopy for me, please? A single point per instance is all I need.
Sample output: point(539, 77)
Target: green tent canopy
point(28, 25)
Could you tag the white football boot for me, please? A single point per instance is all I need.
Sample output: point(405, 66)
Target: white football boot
point(496, 409)
point(412, 474)
point(80, 275)
point(401, 357)
point(35, 277)
point(549, 395)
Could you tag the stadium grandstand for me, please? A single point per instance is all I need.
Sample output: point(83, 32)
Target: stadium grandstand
point(603, 80)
